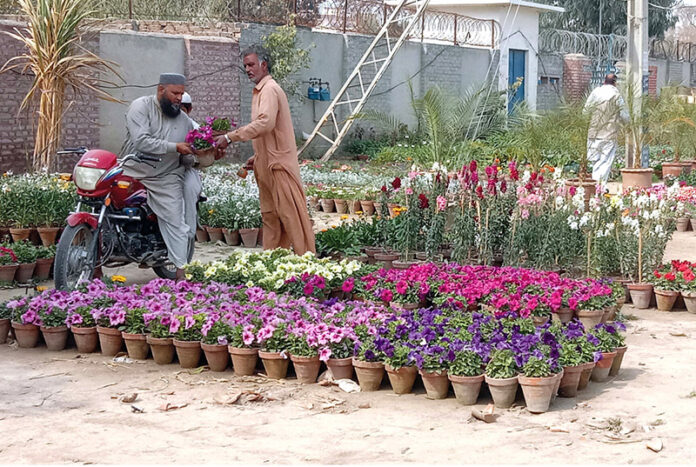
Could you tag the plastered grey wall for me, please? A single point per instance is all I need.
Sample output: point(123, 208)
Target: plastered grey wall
point(142, 57)
point(334, 56)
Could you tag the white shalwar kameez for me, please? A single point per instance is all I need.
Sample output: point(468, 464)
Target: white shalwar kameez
point(607, 109)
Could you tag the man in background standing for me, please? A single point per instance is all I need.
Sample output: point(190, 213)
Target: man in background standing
point(283, 203)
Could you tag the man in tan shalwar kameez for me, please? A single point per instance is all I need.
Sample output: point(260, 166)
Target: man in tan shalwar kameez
point(283, 203)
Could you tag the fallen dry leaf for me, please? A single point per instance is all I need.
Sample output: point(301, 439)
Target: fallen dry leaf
point(655, 445)
point(678, 334)
point(167, 407)
point(128, 398)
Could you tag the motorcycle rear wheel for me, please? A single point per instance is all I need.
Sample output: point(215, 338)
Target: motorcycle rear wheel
point(74, 262)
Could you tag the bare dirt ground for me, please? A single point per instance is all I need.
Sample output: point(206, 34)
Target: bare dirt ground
point(61, 407)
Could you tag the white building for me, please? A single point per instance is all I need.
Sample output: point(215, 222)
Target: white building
point(519, 37)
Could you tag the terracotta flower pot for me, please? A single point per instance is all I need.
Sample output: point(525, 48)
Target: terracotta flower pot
point(214, 233)
point(231, 236)
point(370, 374)
point(19, 234)
point(466, 388)
point(682, 224)
point(306, 368)
point(689, 301)
point(616, 364)
point(86, 339)
point(188, 353)
point(386, 259)
point(368, 207)
point(559, 377)
point(641, 294)
point(436, 384)
point(243, 360)
point(609, 314)
point(43, 269)
point(341, 368)
point(48, 235)
point(564, 315)
point(590, 318)
point(378, 208)
point(275, 364)
point(401, 379)
point(585, 375)
point(341, 206)
point(4, 329)
point(392, 209)
point(540, 320)
point(639, 178)
point(354, 206)
point(666, 299)
point(249, 237)
point(672, 169)
point(7, 272)
point(600, 373)
point(570, 380)
point(25, 272)
point(27, 335)
point(537, 392)
point(136, 345)
point(216, 355)
point(162, 349)
point(503, 390)
point(55, 337)
point(110, 340)
point(327, 205)
point(201, 235)
point(693, 224)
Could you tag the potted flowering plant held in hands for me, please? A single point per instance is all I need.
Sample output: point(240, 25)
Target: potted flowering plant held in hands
point(202, 140)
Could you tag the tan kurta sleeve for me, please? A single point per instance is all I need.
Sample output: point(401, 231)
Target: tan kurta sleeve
point(265, 122)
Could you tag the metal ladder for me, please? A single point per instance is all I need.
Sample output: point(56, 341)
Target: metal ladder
point(329, 121)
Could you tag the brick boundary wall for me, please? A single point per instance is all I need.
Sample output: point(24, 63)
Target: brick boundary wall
point(214, 92)
point(577, 74)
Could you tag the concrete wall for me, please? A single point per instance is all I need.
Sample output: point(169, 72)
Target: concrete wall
point(334, 56)
point(142, 57)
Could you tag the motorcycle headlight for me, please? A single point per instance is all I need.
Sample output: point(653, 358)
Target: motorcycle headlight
point(86, 178)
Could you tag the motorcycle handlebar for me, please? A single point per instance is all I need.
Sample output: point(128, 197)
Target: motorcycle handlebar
point(80, 150)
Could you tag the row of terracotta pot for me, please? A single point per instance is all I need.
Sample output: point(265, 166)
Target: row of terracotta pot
point(45, 236)
point(644, 295)
point(25, 272)
point(538, 392)
point(250, 238)
point(685, 223)
point(350, 206)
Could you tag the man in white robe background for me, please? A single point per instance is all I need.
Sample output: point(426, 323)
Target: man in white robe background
point(607, 111)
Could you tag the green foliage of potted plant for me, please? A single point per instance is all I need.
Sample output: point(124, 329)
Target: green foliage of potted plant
point(501, 377)
point(466, 375)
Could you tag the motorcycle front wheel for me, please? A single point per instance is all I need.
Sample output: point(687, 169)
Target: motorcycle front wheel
point(74, 260)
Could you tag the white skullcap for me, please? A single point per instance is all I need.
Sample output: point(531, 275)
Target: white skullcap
point(186, 98)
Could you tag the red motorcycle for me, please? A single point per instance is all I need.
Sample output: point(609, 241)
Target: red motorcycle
point(117, 229)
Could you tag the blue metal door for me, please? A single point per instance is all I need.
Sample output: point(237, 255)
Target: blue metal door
point(516, 70)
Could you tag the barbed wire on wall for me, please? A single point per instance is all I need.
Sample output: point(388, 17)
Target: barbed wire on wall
point(356, 16)
point(610, 46)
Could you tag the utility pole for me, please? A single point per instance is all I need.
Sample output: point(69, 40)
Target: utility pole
point(637, 72)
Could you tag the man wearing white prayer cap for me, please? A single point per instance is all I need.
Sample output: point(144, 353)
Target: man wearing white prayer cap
point(155, 126)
